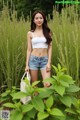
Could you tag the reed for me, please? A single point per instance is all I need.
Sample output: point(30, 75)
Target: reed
point(12, 49)
point(66, 41)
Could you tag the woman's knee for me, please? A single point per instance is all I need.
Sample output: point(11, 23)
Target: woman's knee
point(46, 84)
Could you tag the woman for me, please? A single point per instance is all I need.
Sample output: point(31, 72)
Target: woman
point(39, 47)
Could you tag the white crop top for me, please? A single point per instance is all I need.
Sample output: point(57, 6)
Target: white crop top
point(39, 42)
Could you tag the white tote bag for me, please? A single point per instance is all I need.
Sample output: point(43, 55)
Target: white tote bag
point(23, 86)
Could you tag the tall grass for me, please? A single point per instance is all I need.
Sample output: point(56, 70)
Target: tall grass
point(66, 45)
point(66, 41)
point(12, 49)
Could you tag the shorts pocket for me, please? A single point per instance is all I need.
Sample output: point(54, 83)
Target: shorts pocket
point(32, 59)
point(45, 59)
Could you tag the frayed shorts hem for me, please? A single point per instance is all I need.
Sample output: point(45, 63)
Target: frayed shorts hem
point(37, 68)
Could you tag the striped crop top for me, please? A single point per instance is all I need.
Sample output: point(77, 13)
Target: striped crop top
point(39, 42)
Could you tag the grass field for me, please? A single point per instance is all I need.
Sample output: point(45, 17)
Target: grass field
point(66, 45)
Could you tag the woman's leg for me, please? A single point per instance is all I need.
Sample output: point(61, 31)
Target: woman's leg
point(34, 75)
point(45, 75)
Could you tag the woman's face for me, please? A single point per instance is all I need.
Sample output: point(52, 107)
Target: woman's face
point(38, 19)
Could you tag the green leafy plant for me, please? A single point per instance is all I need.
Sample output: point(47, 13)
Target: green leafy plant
point(57, 102)
point(6, 96)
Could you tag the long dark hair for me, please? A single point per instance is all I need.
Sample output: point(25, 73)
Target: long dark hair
point(46, 29)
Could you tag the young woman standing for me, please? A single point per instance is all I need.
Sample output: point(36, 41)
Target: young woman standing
point(39, 49)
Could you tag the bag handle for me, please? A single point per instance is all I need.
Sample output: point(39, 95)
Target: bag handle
point(25, 73)
point(23, 76)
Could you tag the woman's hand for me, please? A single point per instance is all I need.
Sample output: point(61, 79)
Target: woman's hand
point(48, 67)
point(27, 69)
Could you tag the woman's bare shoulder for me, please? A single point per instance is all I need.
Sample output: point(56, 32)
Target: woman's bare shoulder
point(29, 34)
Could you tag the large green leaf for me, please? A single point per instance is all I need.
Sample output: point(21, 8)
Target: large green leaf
point(19, 95)
point(49, 102)
point(56, 112)
point(59, 67)
point(59, 89)
point(18, 105)
point(59, 117)
point(42, 115)
point(54, 78)
point(32, 113)
point(73, 88)
point(16, 115)
point(10, 105)
point(63, 83)
point(69, 110)
point(29, 90)
point(39, 90)
point(26, 116)
point(75, 102)
point(66, 100)
point(38, 103)
point(68, 79)
point(50, 80)
point(4, 94)
point(27, 107)
point(46, 93)
point(27, 81)
point(35, 83)
point(55, 68)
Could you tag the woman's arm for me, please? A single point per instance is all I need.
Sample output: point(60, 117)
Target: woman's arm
point(50, 53)
point(29, 49)
point(48, 66)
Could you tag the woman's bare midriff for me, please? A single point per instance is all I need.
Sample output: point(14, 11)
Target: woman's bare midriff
point(39, 52)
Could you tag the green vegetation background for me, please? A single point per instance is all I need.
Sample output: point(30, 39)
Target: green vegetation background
point(13, 45)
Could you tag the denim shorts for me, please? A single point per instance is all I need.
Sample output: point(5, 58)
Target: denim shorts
point(36, 63)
